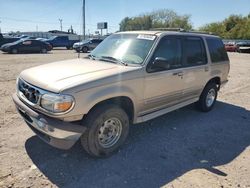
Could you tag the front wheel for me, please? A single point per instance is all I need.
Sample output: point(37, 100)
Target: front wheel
point(208, 97)
point(14, 51)
point(107, 129)
point(85, 49)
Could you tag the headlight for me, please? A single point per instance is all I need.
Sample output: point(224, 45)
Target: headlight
point(57, 103)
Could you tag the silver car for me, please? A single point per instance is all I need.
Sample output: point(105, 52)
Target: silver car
point(131, 77)
point(86, 45)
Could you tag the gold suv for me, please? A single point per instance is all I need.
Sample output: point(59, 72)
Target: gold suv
point(131, 77)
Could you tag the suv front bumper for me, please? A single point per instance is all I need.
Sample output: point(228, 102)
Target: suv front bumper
point(55, 132)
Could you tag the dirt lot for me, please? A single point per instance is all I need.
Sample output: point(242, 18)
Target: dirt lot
point(185, 148)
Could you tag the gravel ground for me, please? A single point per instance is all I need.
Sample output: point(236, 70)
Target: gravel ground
point(184, 148)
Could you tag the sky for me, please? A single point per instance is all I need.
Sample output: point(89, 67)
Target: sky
point(44, 15)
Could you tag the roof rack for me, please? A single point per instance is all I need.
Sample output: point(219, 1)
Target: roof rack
point(201, 32)
point(168, 29)
point(181, 30)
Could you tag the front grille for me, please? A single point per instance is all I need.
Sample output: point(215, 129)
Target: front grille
point(31, 93)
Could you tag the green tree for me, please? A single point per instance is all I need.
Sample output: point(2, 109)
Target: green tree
point(163, 18)
point(233, 27)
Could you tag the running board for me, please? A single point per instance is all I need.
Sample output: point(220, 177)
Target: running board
point(158, 113)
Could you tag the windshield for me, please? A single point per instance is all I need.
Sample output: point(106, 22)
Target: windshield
point(53, 37)
point(128, 48)
point(85, 41)
point(18, 41)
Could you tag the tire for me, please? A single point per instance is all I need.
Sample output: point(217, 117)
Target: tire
point(69, 47)
point(106, 120)
point(85, 49)
point(14, 51)
point(44, 51)
point(208, 98)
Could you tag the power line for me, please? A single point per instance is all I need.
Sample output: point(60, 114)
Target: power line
point(52, 23)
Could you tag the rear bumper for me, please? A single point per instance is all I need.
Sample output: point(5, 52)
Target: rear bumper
point(55, 132)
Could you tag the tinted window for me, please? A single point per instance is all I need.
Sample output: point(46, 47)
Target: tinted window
point(194, 51)
point(169, 49)
point(95, 41)
point(217, 50)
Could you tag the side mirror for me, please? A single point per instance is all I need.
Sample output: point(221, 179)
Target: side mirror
point(161, 63)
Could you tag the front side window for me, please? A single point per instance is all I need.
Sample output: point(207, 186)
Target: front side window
point(169, 49)
point(129, 48)
point(194, 51)
point(217, 50)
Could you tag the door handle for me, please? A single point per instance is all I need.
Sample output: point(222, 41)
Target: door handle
point(178, 73)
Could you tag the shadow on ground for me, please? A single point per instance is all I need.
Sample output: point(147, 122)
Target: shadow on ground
point(155, 153)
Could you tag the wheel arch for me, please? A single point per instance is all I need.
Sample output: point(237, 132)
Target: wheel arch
point(125, 102)
point(216, 80)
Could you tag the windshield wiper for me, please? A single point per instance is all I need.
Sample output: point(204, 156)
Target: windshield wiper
point(113, 60)
point(92, 56)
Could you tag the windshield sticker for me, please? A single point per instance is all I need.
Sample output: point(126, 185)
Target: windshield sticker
point(146, 37)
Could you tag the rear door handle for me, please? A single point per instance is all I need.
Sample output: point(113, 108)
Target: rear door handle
point(178, 73)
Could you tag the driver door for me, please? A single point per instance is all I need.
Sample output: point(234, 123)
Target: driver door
point(26, 46)
point(164, 87)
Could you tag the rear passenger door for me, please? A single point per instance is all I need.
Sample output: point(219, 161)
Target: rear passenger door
point(196, 69)
point(93, 44)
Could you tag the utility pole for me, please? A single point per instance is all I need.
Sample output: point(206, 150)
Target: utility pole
point(0, 26)
point(83, 19)
point(60, 20)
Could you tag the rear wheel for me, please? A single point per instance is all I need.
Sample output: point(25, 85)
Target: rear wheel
point(85, 49)
point(208, 97)
point(14, 51)
point(107, 129)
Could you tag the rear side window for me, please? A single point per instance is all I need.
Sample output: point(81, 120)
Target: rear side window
point(217, 50)
point(194, 51)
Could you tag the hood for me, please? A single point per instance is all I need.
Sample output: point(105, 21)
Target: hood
point(62, 75)
point(81, 43)
point(6, 45)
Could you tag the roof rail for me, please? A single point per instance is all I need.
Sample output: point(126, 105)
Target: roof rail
point(168, 29)
point(181, 30)
point(201, 32)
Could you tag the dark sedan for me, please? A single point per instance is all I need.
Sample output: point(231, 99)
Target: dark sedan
point(27, 46)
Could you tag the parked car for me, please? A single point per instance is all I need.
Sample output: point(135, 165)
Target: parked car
point(244, 47)
point(7, 39)
point(26, 46)
point(231, 47)
point(87, 45)
point(131, 77)
point(61, 41)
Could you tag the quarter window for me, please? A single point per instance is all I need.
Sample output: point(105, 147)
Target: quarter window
point(217, 50)
point(195, 51)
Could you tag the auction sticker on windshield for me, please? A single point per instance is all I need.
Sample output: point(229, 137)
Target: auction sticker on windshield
point(146, 37)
